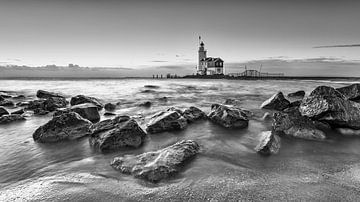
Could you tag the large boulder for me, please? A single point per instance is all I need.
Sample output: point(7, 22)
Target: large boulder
point(192, 114)
point(111, 134)
point(297, 95)
point(110, 106)
point(166, 121)
point(46, 94)
point(49, 104)
point(88, 111)
point(228, 117)
point(11, 118)
point(3, 111)
point(329, 105)
point(67, 126)
point(81, 99)
point(351, 92)
point(293, 124)
point(276, 102)
point(269, 143)
point(157, 165)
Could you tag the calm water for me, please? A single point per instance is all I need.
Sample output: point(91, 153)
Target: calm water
point(226, 169)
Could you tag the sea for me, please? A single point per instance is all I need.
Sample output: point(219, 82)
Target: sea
point(226, 169)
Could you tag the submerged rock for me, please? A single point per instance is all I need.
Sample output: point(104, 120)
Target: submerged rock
point(81, 99)
point(110, 107)
point(7, 103)
point(88, 111)
point(269, 143)
point(298, 94)
point(3, 111)
point(146, 104)
point(157, 165)
point(11, 118)
point(295, 125)
point(40, 111)
point(22, 104)
point(166, 121)
point(351, 92)
point(151, 86)
point(111, 134)
point(193, 113)
point(20, 111)
point(233, 102)
point(276, 102)
point(109, 114)
point(67, 126)
point(228, 117)
point(47, 94)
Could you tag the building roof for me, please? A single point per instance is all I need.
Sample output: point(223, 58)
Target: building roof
point(211, 59)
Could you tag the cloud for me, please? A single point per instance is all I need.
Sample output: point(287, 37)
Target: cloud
point(340, 46)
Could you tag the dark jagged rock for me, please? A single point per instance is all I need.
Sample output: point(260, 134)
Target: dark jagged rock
point(146, 104)
point(328, 105)
point(67, 126)
point(193, 113)
point(296, 103)
point(88, 111)
point(81, 99)
point(36, 104)
point(151, 86)
point(20, 111)
point(298, 94)
point(7, 103)
point(148, 91)
point(269, 143)
point(228, 117)
point(233, 102)
point(46, 94)
point(111, 134)
point(276, 102)
point(266, 117)
point(3, 95)
point(19, 97)
point(166, 121)
point(3, 111)
point(11, 118)
point(175, 109)
point(109, 114)
point(40, 111)
point(53, 103)
point(22, 104)
point(110, 107)
point(295, 125)
point(351, 92)
point(157, 165)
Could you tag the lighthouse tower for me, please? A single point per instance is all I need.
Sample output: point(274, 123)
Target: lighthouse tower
point(202, 57)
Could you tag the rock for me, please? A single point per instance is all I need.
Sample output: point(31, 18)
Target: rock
point(298, 94)
point(351, 92)
point(109, 114)
point(296, 104)
point(3, 111)
point(294, 125)
point(7, 103)
point(148, 91)
point(46, 94)
point(67, 126)
point(157, 165)
point(19, 97)
point(11, 118)
point(22, 104)
point(151, 86)
point(348, 131)
point(40, 111)
point(276, 102)
point(110, 107)
point(266, 117)
point(175, 109)
point(166, 121)
point(20, 111)
point(269, 143)
point(53, 103)
point(228, 117)
point(81, 99)
point(1, 98)
point(233, 102)
point(36, 104)
point(330, 106)
point(193, 113)
point(163, 99)
point(146, 104)
point(3, 95)
point(88, 111)
point(111, 134)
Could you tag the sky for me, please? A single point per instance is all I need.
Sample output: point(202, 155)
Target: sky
point(157, 36)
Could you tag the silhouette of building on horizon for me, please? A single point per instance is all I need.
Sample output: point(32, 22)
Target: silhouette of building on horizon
point(208, 65)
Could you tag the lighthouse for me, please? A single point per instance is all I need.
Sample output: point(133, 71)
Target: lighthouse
point(208, 65)
point(202, 56)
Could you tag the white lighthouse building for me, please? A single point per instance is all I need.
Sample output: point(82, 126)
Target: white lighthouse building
point(208, 65)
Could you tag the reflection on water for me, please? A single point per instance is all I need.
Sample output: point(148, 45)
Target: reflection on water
point(223, 152)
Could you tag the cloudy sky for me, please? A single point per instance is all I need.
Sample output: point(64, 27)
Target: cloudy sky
point(283, 35)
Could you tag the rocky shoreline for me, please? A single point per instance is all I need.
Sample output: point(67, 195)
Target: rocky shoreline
point(293, 116)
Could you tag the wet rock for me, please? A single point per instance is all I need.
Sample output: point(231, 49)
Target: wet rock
point(294, 125)
point(166, 121)
point(53, 103)
point(228, 117)
point(20, 111)
point(3, 111)
point(146, 104)
point(276, 102)
point(298, 94)
point(46, 94)
point(348, 132)
point(109, 114)
point(11, 118)
point(148, 91)
point(7, 103)
point(175, 109)
point(67, 126)
point(193, 113)
point(296, 103)
point(19, 97)
point(40, 111)
point(351, 92)
point(88, 111)
point(3, 95)
point(1, 98)
point(269, 143)
point(111, 134)
point(151, 86)
point(267, 116)
point(110, 107)
point(22, 104)
point(36, 104)
point(157, 165)
point(330, 106)
point(163, 99)
point(233, 102)
point(81, 99)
